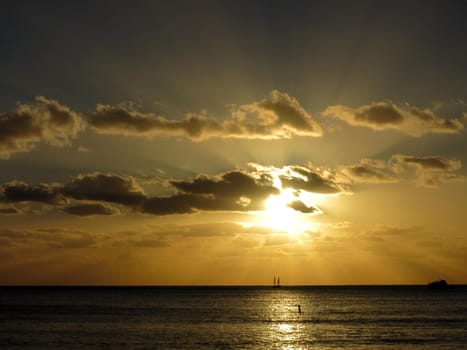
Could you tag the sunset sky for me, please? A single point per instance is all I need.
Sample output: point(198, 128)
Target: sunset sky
point(227, 142)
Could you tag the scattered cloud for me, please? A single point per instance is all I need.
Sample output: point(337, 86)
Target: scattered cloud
point(232, 184)
point(47, 121)
point(303, 208)
point(312, 179)
point(17, 191)
point(278, 116)
point(8, 210)
point(83, 149)
point(178, 204)
point(432, 163)
point(49, 238)
point(90, 209)
point(405, 118)
point(431, 171)
point(43, 121)
point(232, 191)
point(105, 187)
point(368, 171)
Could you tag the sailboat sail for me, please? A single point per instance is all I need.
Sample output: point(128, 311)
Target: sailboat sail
point(276, 282)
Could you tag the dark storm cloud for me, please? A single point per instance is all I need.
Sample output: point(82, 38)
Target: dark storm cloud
point(105, 187)
point(17, 191)
point(90, 209)
point(43, 121)
point(404, 118)
point(368, 171)
point(278, 116)
point(312, 179)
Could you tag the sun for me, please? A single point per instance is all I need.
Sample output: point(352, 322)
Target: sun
point(290, 210)
point(279, 216)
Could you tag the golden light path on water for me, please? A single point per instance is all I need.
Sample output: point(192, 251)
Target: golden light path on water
point(286, 330)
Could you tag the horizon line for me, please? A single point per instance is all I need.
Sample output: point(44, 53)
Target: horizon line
point(216, 285)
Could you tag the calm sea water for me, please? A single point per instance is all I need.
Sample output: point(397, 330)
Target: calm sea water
point(233, 318)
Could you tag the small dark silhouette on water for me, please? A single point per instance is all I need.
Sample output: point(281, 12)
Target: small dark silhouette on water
point(299, 309)
point(276, 283)
point(441, 284)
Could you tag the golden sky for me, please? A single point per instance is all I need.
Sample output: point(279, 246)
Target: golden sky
point(227, 142)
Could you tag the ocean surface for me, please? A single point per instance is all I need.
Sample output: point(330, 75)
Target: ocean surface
point(378, 317)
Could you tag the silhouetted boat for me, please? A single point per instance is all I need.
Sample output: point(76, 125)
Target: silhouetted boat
point(276, 283)
point(441, 284)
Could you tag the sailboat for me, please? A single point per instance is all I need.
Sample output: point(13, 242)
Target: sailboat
point(276, 283)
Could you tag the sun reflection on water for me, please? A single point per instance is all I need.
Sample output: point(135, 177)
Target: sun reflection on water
point(286, 328)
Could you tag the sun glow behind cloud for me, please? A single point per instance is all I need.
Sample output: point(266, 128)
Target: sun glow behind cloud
point(279, 214)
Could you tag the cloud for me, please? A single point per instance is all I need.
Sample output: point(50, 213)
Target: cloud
point(83, 149)
point(431, 171)
point(48, 121)
point(178, 204)
point(312, 179)
point(7, 210)
point(49, 237)
point(105, 187)
point(408, 119)
point(17, 191)
point(43, 121)
point(231, 191)
point(278, 116)
point(368, 171)
point(432, 163)
point(301, 207)
point(232, 184)
point(90, 209)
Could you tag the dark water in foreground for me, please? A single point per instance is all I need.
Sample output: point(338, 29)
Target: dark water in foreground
point(233, 318)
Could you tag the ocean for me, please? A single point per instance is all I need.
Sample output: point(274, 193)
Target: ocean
point(360, 317)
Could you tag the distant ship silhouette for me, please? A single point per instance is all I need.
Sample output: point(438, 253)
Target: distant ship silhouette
point(441, 284)
point(276, 283)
